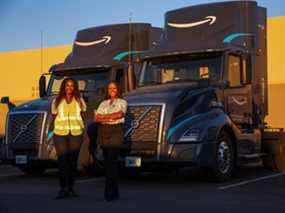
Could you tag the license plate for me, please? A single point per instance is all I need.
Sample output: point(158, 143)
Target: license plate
point(133, 162)
point(21, 159)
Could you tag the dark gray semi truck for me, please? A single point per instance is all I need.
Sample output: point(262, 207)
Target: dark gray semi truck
point(99, 55)
point(202, 95)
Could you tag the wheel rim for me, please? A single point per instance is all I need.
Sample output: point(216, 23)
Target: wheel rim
point(224, 157)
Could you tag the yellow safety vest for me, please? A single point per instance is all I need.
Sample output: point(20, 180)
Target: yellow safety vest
point(68, 119)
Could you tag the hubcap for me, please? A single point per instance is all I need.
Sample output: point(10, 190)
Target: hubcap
point(224, 157)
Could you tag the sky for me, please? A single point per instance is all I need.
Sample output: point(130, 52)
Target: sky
point(22, 21)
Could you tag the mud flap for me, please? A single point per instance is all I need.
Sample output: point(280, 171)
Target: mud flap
point(206, 156)
point(273, 145)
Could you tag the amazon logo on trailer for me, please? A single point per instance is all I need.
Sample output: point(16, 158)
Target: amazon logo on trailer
point(104, 39)
point(207, 20)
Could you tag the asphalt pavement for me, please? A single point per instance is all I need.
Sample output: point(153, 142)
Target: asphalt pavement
point(252, 190)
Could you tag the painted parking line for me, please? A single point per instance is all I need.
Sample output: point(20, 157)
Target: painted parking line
point(251, 181)
point(11, 175)
point(90, 180)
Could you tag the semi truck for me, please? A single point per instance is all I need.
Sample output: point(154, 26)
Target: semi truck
point(202, 98)
point(99, 55)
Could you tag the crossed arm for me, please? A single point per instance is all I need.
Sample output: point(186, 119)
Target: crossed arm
point(109, 117)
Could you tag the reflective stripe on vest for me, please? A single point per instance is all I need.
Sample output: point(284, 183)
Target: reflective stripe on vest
point(68, 119)
point(67, 127)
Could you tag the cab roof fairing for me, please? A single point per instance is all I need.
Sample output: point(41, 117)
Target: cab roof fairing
point(223, 25)
point(98, 46)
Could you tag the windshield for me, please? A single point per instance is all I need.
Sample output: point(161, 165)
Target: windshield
point(181, 69)
point(89, 83)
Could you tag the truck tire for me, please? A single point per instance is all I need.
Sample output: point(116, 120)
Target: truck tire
point(224, 158)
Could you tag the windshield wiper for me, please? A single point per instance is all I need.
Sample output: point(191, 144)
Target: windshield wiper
point(83, 91)
point(52, 93)
point(182, 80)
point(150, 83)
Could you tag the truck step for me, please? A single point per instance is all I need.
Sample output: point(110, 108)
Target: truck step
point(251, 156)
point(250, 159)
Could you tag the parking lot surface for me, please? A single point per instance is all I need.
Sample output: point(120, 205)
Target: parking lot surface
point(252, 190)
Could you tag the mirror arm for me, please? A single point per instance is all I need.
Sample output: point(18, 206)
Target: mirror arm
point(42, 86)
point(11, 106)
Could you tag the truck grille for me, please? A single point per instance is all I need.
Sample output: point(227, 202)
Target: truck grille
point(25, 128)
point(143, 124)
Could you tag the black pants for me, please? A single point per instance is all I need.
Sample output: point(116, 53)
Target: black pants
point(92, 132)
point(67, 149)
point(111, 156)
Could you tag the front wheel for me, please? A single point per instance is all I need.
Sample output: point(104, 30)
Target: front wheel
point(224, 158)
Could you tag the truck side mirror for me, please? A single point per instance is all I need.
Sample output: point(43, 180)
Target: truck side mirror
point(216, 104)
point(225, 84)
point(5, 100)
point(42, 86)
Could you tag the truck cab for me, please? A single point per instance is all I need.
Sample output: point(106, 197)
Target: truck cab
point(99, 55)
point(202, 93)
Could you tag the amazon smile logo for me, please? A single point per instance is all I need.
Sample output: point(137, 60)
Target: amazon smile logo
point(238, 100)
point(104, 39)
point(209, 19)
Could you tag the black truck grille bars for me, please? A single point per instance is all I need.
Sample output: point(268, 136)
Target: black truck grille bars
point(144, 123)
point(25, 127)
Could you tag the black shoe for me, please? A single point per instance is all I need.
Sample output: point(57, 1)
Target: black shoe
point(72, 193)
point(112, 199)
point(62, 194)
point(109, 199)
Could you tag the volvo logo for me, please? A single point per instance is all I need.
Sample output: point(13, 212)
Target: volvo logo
point(136, 123)
point(23, 128)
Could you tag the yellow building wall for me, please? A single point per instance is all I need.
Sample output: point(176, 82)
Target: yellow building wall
point(276, 71)
point(20, 72)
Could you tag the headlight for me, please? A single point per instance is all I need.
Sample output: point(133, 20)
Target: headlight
point(49, 135)
point(50, 142)
point(191, 135)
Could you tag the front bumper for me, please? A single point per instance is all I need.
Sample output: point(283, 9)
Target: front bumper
point(179, 155)
point(200, 154)
point(31, 160)
point(32, 151)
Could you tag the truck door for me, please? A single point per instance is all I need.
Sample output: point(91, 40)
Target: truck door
point(121, 79)
point(126, 78)
point(238, 95)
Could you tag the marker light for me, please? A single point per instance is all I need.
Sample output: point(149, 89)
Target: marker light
point(191, 135)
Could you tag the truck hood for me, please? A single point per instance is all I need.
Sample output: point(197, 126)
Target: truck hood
point(160, 93)
point(172, 96)
point(41, 104)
